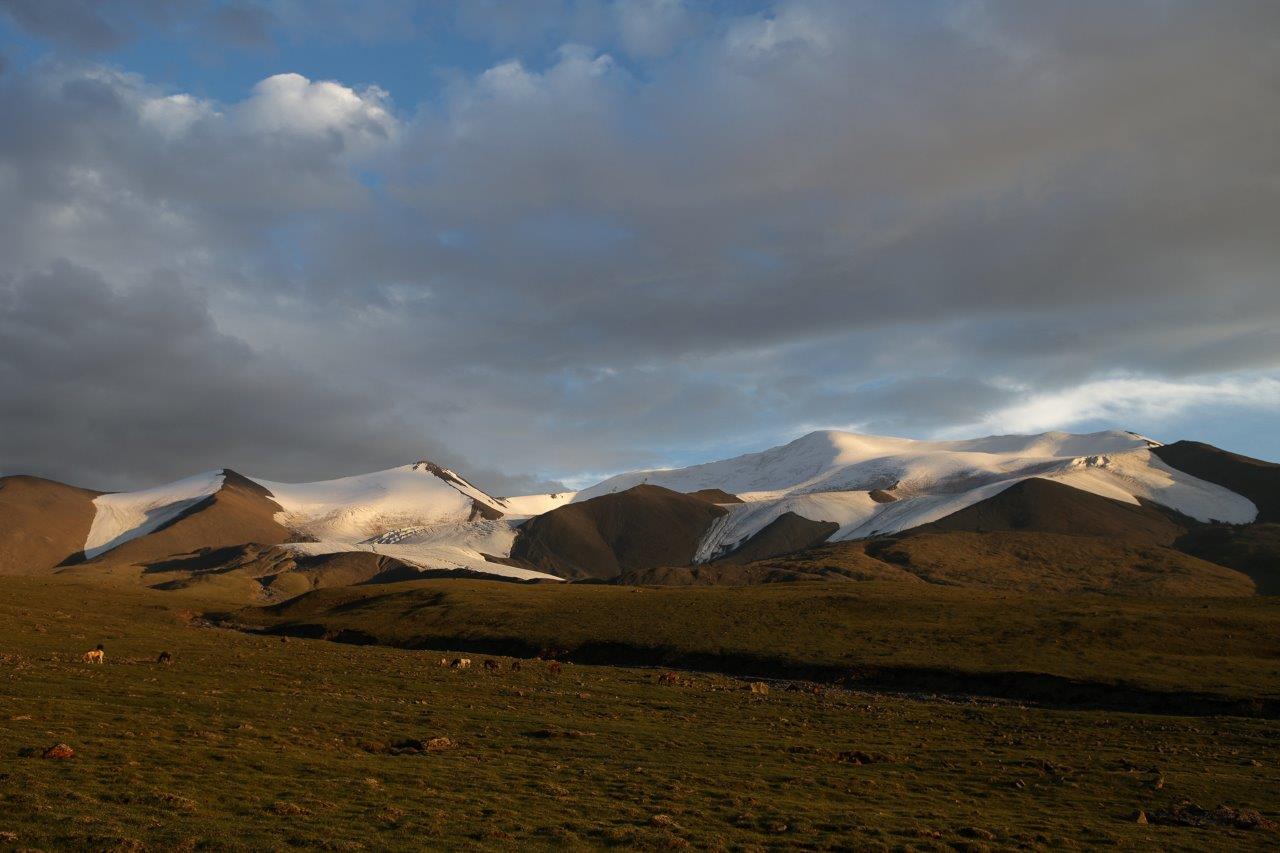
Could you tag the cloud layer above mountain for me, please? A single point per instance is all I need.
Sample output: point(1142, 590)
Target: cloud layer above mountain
point(631, 233)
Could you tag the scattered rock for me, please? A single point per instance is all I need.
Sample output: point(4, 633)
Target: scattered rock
point(390, 816)
point(759, 688)
point(414, 746)
point(566, 733)
point(857, 756)
point(1140, 818)
point(285, 809)
point(59, 751)
point(1187, 813)
point(663, 820)
point(978, 833)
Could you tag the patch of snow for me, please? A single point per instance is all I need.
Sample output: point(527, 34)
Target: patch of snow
point(122, 516)
point(834, 471)
point(744, 520)
point(353, 509)
point(530, 505)
point(448, 547)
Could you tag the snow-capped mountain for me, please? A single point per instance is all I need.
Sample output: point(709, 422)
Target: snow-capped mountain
point(422, 513)
point(876, 485)
point(858, 485)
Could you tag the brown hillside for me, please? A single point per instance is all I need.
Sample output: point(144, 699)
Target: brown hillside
point(784, 535)
point(253, 572)
point(1250, 548)
point(1057, 563)
point(642, 527)
point(1257, 480)
point(1015, 561)
point(42, 523)
point(241, 511)
point(813, 565)
point(1046, 506)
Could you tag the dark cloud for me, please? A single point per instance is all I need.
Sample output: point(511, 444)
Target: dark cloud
point(110, 389)
point(738, 227)
point(101, 26)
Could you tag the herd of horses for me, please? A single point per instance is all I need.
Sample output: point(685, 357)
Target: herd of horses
point(490, 665)
point(98, 655)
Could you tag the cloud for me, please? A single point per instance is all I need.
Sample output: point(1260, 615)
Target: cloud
point(612, 246)
point(292, 104)
point(93, 26)
point(651, 27)
point(1124, 400)
point(112, 388)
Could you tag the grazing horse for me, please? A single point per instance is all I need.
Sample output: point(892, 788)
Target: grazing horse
point(97, 655)
point(461, 663)
point(491, 665)
point(165, 658)
point(515, 666)
point(554, 667)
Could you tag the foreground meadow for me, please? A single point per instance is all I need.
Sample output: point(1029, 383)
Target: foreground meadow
point(251, 742)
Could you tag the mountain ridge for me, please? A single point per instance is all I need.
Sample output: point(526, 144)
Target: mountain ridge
point(821, 489)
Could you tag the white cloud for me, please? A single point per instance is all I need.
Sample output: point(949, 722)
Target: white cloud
point(290, 103)
point(788, 28)
point(650, 27)
point(173, 115)
point(1126, 400)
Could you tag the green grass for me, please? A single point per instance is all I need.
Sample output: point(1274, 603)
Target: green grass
point(250, 743)
point(1229, 647)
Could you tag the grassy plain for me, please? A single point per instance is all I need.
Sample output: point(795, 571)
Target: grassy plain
point(248, 742)
point(1224, 646)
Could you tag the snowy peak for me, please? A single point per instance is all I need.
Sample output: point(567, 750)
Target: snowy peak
point(831, 460)
point(354, 509)
point(830, 476)
point(864, 485)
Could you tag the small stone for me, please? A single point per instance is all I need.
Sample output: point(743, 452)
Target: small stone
point(59, 751)
point(439, 744)
point(1140, 817)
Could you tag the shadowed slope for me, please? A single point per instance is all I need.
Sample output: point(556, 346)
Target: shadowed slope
point(1250, 548)
point(786, 534)
point(642, 527)
point(1046, 506)
point(1057, 563)
point(1257, 480)
point(42, 523)
point(1038, 536)
point(239, 512)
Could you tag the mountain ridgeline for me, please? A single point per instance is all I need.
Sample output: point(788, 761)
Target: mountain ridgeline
point(1109, 512)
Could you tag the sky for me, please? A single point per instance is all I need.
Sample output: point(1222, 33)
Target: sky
point(545, 241)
